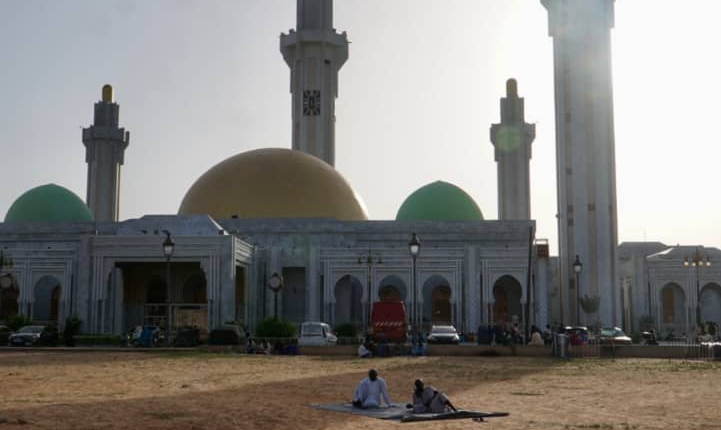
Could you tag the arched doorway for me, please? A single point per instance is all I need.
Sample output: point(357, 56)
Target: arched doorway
point(54, 303)
point(392, 287)
point(507, 294)
point(46, 305)
point(673, 303)
point(348, 307)
point(437, 307)
point(711, 303)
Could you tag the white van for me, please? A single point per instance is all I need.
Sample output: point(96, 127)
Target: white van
point(316, 334)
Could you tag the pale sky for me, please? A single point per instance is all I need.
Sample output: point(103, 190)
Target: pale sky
point(199, 81)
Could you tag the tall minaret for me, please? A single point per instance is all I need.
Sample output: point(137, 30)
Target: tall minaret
point(585, 156)
point(105, 145)
point(512, 140)
point(314, 52)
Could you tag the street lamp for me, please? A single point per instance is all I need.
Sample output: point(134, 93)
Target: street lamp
point(697, 261)
point(414, 247)
point(6, 263)
point(168, 249)
point(577, 268)
point(275, 283)
point(369, 260)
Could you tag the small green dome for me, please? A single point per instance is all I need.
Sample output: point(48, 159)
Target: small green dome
point(48, 203)
point(439, 201)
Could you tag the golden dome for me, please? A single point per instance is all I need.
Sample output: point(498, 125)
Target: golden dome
point(273, 183)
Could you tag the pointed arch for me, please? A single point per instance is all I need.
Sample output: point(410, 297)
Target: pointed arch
point(437, 307)
point(710, 301)
point(507, 293)
point(46, 304)
point(392, 287)
point(348, 292)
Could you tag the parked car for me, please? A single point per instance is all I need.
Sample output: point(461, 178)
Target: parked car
point(4, 334)
point(316, 334)
point(443, 334)
point(34, 335)
point(578, 335)
point(613, 336)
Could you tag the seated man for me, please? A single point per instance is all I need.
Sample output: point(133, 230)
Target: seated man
point(369, 392)
point(536, 339)
point(364, 352)
point(429, 400)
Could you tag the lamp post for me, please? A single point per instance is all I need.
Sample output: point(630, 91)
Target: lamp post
point(369, 260)
point(168, 249)
point(6, 263)
point(577, 268)
point(275, 283)
point(697, 261)
point(414, 247)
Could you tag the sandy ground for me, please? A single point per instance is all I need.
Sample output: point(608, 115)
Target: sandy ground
point(41, 390)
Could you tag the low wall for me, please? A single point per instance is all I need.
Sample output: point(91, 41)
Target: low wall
point(487, 351)
point(344, 350)
point(640, 351)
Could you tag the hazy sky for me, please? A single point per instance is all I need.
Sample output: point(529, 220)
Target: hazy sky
point(199, 81)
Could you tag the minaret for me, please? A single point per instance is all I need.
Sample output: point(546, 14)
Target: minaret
point(314, 52)
point(105, 145)
point(512, 140)
point(585, 156)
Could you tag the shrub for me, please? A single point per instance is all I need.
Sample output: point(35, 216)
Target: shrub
point(274, 327)
point(16, 321)
point(345, 330)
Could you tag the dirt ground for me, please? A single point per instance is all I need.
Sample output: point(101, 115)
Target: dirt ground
point(101, 390)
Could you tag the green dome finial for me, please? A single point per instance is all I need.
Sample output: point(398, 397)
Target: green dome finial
point(440, 201)
point(48, 203)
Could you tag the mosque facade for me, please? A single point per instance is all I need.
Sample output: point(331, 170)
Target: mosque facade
point(63, 256)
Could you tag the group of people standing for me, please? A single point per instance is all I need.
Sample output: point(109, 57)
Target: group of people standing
point(372, 391)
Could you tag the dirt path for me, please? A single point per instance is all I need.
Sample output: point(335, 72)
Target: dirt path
point(203, 391)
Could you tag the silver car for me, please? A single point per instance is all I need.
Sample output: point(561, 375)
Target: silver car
point(443, 334)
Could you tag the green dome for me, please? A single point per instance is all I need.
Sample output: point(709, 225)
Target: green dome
point(439, 201)
point(48, 203)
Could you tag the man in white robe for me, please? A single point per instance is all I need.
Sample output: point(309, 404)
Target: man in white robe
point(370, 392)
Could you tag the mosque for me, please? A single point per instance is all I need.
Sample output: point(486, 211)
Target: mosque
point(220, 257)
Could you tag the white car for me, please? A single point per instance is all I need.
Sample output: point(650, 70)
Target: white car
point(316, 334)
point(443, 334)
